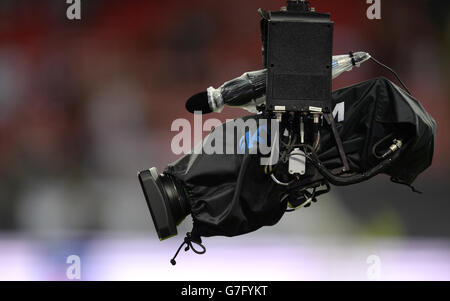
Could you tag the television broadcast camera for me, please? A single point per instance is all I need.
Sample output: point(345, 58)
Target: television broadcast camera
point(317, 138)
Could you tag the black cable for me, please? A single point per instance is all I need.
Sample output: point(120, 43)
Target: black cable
point(308, 195)
point(353, 179)
point(393, 72)
point(382, 140)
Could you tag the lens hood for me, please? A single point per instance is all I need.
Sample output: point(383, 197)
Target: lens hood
point(158, 203)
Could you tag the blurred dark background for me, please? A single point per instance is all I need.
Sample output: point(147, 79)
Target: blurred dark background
point(86, 104)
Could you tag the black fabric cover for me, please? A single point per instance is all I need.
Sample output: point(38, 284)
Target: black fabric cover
point(374, 109)
point(231, 195)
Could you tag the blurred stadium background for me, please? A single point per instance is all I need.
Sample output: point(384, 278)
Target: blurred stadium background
point(86, 104)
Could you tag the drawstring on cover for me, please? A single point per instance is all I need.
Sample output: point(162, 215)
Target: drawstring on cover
point(398, 181)
point(188, 240)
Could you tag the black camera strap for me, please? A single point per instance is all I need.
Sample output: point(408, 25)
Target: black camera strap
point(330, 120)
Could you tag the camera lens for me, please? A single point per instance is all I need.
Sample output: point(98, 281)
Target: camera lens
point(166, 200)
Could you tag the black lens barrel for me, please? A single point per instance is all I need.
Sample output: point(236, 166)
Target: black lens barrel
point(175, 196)
point(166, 201)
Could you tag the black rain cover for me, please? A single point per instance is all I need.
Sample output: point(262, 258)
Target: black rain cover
point(231, 195)
point(373, 110)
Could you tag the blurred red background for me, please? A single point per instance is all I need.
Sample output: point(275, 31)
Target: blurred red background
point(93, 100)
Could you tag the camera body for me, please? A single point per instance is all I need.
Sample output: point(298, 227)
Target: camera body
point(297, 56)
point(233, 194)
point(297, 52)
